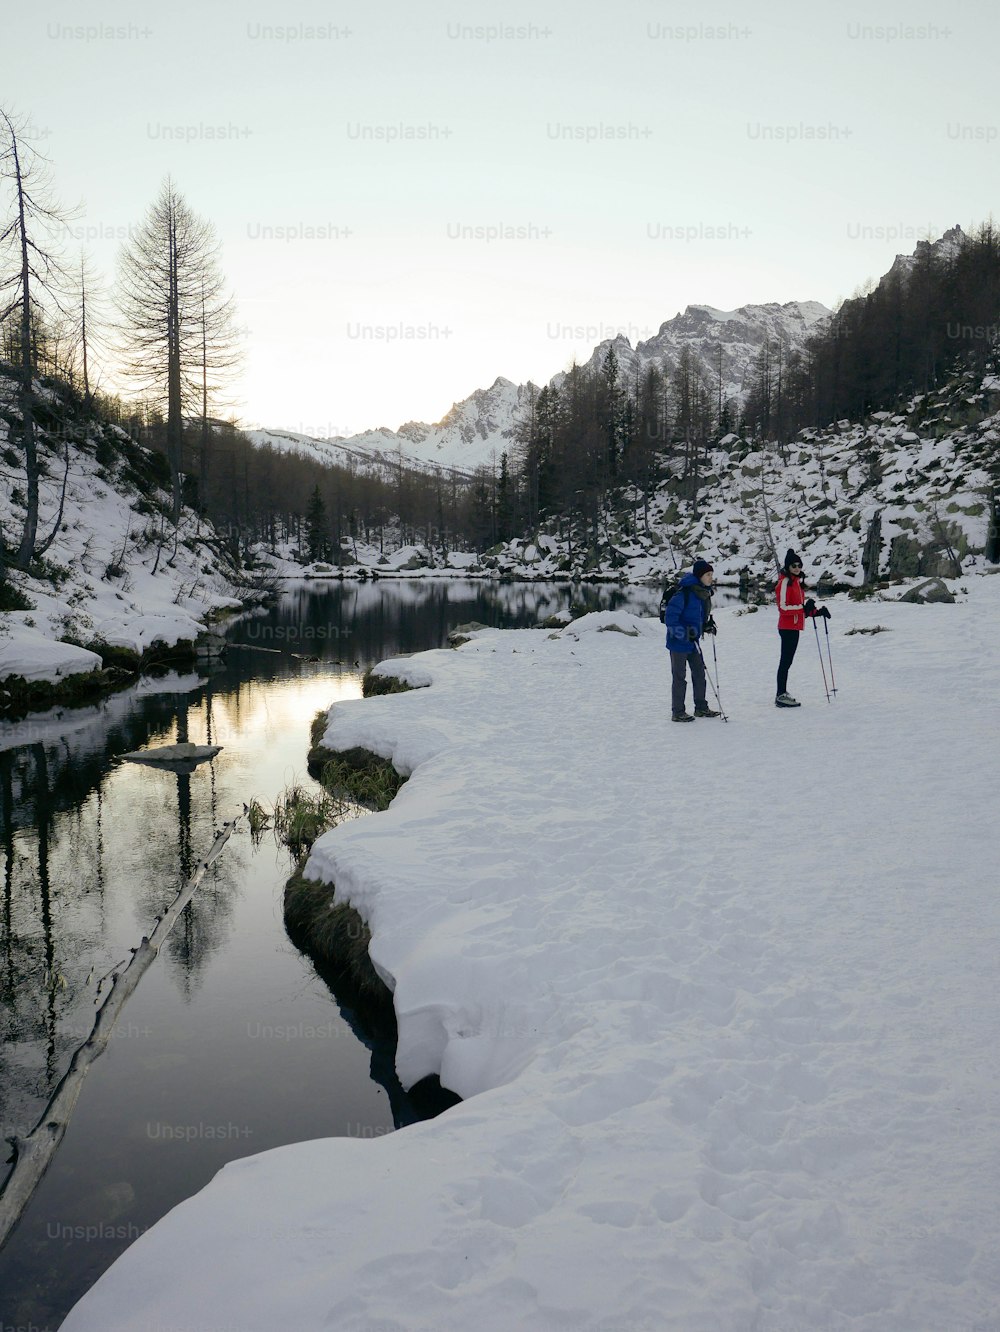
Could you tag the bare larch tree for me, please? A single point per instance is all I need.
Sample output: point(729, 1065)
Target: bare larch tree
point(177, 334)
point(31, 277)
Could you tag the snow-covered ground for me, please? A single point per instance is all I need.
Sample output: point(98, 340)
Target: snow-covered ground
point(722, 999)
point(27, 652)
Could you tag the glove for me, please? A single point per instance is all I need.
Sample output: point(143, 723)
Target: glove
point(710, 626)
point(810, 606)
point(692, 634)
point(821, 613)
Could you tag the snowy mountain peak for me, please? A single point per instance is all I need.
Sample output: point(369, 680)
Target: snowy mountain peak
point(718, 340)
point(706, 316)
point(693, 311)
point(945, 247)
point(620, 343)
point(477, 430)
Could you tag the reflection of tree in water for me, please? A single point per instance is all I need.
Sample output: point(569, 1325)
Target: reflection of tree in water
point(365, 622)
point(41, 956)
point(78, 762)
point(203, 927)
point(205, 923)
point(58, 828)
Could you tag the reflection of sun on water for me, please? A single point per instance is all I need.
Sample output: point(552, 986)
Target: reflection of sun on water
point(275, 710)
point(266, 711)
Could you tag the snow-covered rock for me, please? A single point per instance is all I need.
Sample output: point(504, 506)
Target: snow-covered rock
point(140, 632)
point(26, 652)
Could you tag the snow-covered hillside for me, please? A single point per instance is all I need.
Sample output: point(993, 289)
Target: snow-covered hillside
point(925, 475)
point(115, 572)
point(472, 434)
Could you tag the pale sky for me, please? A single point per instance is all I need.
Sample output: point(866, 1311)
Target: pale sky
point(644, 155)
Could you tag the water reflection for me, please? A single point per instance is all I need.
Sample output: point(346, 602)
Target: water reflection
point(72, 822)
point(57, 936)
point(359, 623)
point(93, 849)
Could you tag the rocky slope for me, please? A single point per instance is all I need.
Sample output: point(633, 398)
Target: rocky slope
point(915, 488)
point(706, 332)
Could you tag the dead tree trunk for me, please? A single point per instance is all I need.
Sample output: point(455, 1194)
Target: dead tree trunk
point(873, 549)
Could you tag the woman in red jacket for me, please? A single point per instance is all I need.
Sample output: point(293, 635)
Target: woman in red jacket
point(793, 607)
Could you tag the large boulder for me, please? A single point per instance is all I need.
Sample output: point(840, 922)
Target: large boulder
point(939, 560)
point(931, 590)
point(463, 632)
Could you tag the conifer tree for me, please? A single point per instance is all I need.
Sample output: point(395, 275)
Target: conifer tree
point(317, 540)
point(505, 501)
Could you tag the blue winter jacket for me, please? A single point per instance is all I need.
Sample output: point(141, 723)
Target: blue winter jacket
point(685, 610)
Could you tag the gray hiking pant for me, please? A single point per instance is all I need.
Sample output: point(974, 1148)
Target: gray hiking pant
point(678, 671)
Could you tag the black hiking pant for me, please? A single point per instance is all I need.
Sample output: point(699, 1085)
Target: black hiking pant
point(678, 679)
point(789, 642)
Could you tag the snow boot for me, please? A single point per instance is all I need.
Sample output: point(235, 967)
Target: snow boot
point(682, 716)
point(786, 701)
point(706, 711)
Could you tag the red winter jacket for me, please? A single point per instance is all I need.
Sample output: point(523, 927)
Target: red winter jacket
point(790, 599)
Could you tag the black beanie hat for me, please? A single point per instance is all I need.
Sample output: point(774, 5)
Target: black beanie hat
point(701, 567)
point(791, 558)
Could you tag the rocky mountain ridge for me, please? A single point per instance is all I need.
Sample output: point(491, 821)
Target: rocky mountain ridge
point(477, 430)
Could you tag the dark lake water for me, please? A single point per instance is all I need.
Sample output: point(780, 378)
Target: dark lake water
point(232, 1043)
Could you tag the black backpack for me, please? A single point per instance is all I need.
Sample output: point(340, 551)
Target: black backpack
point(670, 589)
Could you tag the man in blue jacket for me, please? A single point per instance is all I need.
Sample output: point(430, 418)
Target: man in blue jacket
point(688, 615)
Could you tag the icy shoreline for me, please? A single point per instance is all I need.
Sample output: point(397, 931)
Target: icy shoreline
point(38, 672)
point(721, 1000)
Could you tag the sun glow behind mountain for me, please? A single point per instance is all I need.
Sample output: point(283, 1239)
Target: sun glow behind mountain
point(412, 202)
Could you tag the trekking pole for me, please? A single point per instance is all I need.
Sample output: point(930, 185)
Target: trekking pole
point(826, 630)
point(821, 665)
point(715, 661)
point(708, 677)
